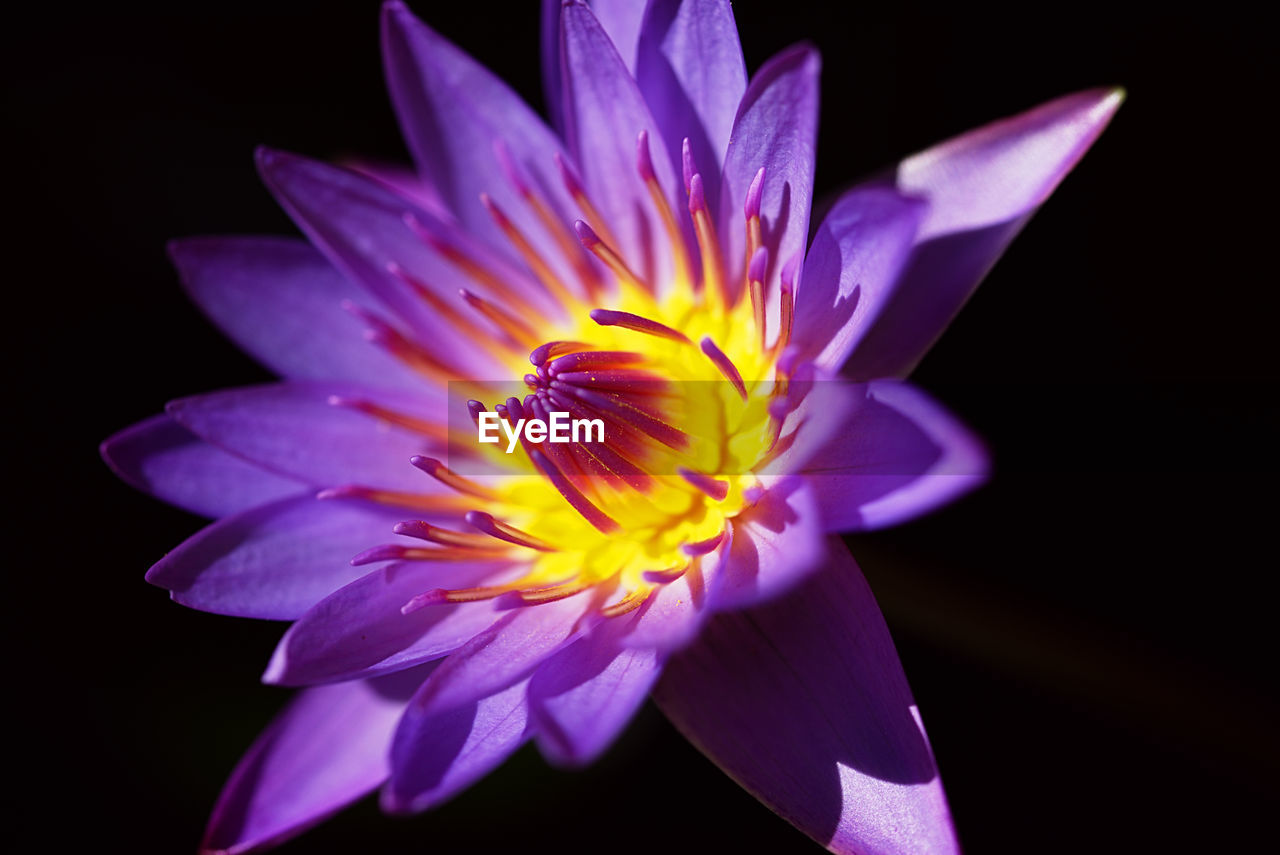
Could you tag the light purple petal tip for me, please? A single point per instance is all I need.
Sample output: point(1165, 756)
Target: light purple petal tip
point(328, 748)
point(166, 460)
point(804, 703)
point(981, 187)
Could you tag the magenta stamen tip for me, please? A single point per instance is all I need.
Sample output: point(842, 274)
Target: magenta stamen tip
point(411, 528)
point(702, 547)
point(434, 597)
point(386, 552)
point(586, 234)
point(427, 464)
point(644, 162)
point(345, 491)
point(713, 487)
point(791, 272)
point(751, 207)
point(571, 182)
point(697, 196)
point(475, 408)
point(508, 167)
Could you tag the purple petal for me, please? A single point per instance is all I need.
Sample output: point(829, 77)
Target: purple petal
point(621, 20)
point(293, 429)
point(282, 303)
point(437, 754)
point(359, 630)
point(672, 617)
point(505, 652)
point(851, 269)
point(981, 188)
point(605, 113)
point(162, 458)
point(361, 226)
point(328, 748)
point(776, 128)
point(690, 69)
point(803, 702)
point(274, 561)
point(901, 456)
point(582, 697)
point(453, 111)
point(776, 543)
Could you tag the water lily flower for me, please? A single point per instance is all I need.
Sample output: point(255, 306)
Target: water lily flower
point(644, 258)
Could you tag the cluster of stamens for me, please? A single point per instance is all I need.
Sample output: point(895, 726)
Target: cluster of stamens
point(693, 404)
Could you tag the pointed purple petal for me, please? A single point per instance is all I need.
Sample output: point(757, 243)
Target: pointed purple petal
point(363, 228)
point(437, 754)
point(689, 66)
point(605, 114)
point(453, 112)
point(505, 652)
point(776, 128)
point(274, 561)
point(360, 631)
point(328, 748)
point(583, 696)
point(293, 429)
point(282, 303)
point(803, 702)
point(851, 270)
point(981, 188)
point(901, 456)
point(162, 458)
point(776, 543)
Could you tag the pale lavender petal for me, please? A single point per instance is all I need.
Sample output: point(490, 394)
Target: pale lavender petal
point(604, 114)
point(689, 66)
point(329, 747)
point(672, 616)
point(277, 560)
point(803, 702)
point(360, 631)
point(295, 429)
point(776, 128)
point(363, 228)
point(453, 112)
point(901, 456)
point(850, 272)
point(776, 543)
point(582, 697)
point(621, 20)
point(438, 753)
point(505, 652)
point(981, 188)
point(281, 302)
point(162, 458)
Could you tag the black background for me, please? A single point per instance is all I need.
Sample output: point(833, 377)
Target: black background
point(1089, 637)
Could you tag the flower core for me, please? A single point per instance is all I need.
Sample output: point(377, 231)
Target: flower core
point(691, 384)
